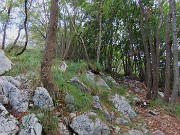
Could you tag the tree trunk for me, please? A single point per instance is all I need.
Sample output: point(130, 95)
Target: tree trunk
point(157, 58)
point(100, 33)
point(49, 53)
point(25, 28)
point(168, 60)
point(175, 54)
point(148, 60)
point(6, 24)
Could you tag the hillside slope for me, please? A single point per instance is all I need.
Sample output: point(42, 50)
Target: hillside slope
point(85, 103)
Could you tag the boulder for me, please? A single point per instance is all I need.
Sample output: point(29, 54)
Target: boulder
point(96, 102)
point(96, 79)
point(122, 105)
point(42, 99)
point(80, 85)
point(5, 63)
point(30, 125)
point(89, 124)
point(8, 123)
point(18, 98)
point(109, 78)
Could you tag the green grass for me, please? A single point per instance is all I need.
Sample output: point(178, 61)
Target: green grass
point(121, 90)
point(177, 111)
point(83, 100)
point(158, 103)
point(30, 60)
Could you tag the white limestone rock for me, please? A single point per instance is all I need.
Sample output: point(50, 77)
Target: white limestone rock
point(8, 123)
point(5, 63)
point(42, 99)
point(122, 105)
point(96, 79)
point(89, 124)
point(110, 78)
point(18, 98)
point(30, 125)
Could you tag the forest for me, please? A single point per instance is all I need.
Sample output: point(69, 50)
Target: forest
point(137, 42)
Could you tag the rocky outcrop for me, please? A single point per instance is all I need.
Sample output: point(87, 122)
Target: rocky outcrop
point(8, 123)
point(110, 78)
point(42, 99)
point(5, 63)
point(18, 99)
point(80, 85)
point(122, 105)
point(89, 124)
point(30, 125)
point(96, 79)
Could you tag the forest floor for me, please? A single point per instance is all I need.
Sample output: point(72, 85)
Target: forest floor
point(163, 119)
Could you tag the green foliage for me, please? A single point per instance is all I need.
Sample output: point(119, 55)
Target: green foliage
point(83, 100)
point(177, 110)
point(121, 90)
point(49, 121)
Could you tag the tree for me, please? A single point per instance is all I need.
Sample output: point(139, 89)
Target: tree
point(25, 28)
point(100, 30)
point(172, 4)
point(6, 22)
point(148, 59)
point(49, 53)
point(168, 59)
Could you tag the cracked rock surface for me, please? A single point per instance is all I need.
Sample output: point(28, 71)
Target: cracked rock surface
point(5, 63)
point(122, 105)
point(42, 98)
point(30, 125)
point(8, 123)
point(18, 99)
point(89, 124)
point(97, 80)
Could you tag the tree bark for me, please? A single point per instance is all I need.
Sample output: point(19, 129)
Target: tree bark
point(49, 53)
point(100, 33)
point(175, 54)
point(25, 28)
point(147, 54)
point(168, 59)
point(157, 58)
